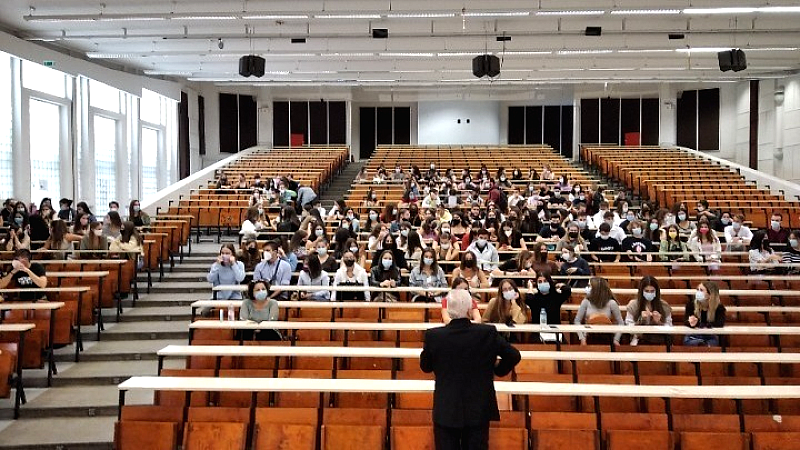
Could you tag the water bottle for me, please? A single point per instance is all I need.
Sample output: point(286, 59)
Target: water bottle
point(231, 312)
point(221, 316)
point(543, 318)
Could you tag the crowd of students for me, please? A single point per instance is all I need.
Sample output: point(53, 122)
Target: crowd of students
point(495, 225)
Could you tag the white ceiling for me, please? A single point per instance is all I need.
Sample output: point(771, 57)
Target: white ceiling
point(430, 45)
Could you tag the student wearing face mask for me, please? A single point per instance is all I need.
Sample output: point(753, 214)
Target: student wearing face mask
point(548, 295)
point(385, 274)
point(313, 275)
point(636, 246)
point(762, 258)
point(776, 233)
point(672, 248)
point(606, 244)
point(509, 238)
point(94, 240)
point(507, 307)
point(484, 251)
point(600, 216)
point(685, 226)
point(447, 249)
point(723, 221)
point(226, 270)
point(390, 243)
point(704, 311)
point(249, 254)
point(792, 253)
point(648, 309)
point(19, 234)
point(350, 273)
point(522, 264)
point(704, 244)
point(259, 307)
point(469, 270)
point(551, 231)
point(275, 269)
point(428, 274)
point(325, 255)
point(738, 235)
point(571, 264)
point(616, 233)
point(572, 238)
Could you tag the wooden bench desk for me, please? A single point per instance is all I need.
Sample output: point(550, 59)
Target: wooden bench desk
point(53, 307)
point(21, 328)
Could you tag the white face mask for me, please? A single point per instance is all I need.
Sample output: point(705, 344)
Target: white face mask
point(509, 295)
point(354, 249)
point(97, 232)
point(649, 296)
point(700, 296)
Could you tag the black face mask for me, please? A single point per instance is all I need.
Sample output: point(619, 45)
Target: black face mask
point(349, 262)
point(573, 234)
point(252, 250)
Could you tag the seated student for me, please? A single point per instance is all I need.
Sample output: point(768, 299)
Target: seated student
point(468, 269)
point(685, 226)
point(390, 243)
point(226, 270)
point(351, 273)
point(653, 233)
point(460, 283)
point(636, 246)
point(776, 233)
point(762, 258)
point(737, 235)
point(704, 311)
point(552, 232)
point(352, 246)
point(599, 307)
point(413, 249)
point(573, 238)
point(648, 309)
point(252, 223)
point(313, 275)
point(385, 274)
point(615, 231)
point(129, 243)
point(447, 249)
point(541, 263)
point(59, 241)
point(792, 253)
point(507, 307)
point(672, 248)
point(25, 275)
point(274, 269)
point(600, 216)
point(522, 265)
point(249, 254)
point(510, 238)
point(259, 307)
point(626, 214)
point(323, 252)
point(136, 215)
point(484, 251)
point(604, 243)
point(426, 275)
point(94, 240)
point(571, 264)
point(705, 245)
point(547, 295)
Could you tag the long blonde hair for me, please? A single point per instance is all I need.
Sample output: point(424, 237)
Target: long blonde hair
point(713, 300)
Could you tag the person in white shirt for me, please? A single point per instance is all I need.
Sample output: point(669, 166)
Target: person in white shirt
point(600, 216)
point(515, 197)
point(737, 235)
point(485, 253)
point(252, 223)
point(431, 201)
point(616, 232)
point(350, 274)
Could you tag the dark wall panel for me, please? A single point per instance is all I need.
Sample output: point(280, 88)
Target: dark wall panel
point(533, 125)
point(228, 123)
point(367, 132)
point(516, 125)
point(318, 118)
point(609, 121)
point(649, 121)
point(552, 127)
point(201, 124)
point(337, 123)
point(567, 124)
point(298, 114)
point(384, 132)
point(402, 125)
point(687, 119)
point(183, 137)
point(280, 124)
point(708, 119)
point(629, 116)
point(248, 122)
point(590, 116)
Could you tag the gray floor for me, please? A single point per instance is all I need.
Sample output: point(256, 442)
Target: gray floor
point(80, 409)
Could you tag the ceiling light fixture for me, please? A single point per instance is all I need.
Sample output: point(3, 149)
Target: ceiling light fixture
point(644, 12)
point(347, 16)
point(587, 12)
point(256, 16)
point(496, 13)
point(584, 52)
point(420, 15)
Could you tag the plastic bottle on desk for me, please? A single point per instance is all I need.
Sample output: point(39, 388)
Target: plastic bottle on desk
point(231, 312)
point(543, 318)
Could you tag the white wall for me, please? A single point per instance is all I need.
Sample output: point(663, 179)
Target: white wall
point(438, 123)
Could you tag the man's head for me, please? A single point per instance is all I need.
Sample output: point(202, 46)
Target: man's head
point(459, 302)
point(271, 247)
point(113, 206)
point(23, 255)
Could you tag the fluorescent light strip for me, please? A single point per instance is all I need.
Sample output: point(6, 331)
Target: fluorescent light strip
point(583, 52)
point(588, 12)
point(702, 49)
point(609, 69)
point(648, 12)
point(420, 15)
point(444, 54)
point(347, 16)
point(168, 73)
point(724, 10)
point(406, 55)
point(496, 13)
point(525, 53)
point(275, 16)
point(655, 50)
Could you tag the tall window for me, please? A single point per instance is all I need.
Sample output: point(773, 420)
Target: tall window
point(45, 141)
point(6, 160)
point(105, 151)
point(150, 144)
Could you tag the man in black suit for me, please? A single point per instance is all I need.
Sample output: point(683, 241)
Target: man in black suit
point(463, 356)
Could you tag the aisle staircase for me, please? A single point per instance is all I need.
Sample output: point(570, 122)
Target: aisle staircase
point(340, 184)
point(79, 410)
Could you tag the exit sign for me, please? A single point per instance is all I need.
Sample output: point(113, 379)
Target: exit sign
point(48, 63)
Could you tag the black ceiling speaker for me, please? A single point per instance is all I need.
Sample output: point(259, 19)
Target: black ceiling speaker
point(593, 31)
point(733, 59)
point(484, 65)
point(252, 65)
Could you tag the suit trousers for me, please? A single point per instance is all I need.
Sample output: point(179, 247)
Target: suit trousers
point(465, 438)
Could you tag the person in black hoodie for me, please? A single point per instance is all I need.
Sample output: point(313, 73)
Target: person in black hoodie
point(389, 243)
point(547, 295)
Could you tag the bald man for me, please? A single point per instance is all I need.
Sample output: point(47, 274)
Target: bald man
point(464, 358)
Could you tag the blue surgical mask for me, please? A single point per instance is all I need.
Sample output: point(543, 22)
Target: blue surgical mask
point(427, 261)
point(649, 296)
point(322, 251)
point(544, 288)
point(793, 242)
point(387, 263)
point(260, 295)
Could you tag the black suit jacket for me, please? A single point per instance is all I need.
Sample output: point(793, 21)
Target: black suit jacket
point(463, 356)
